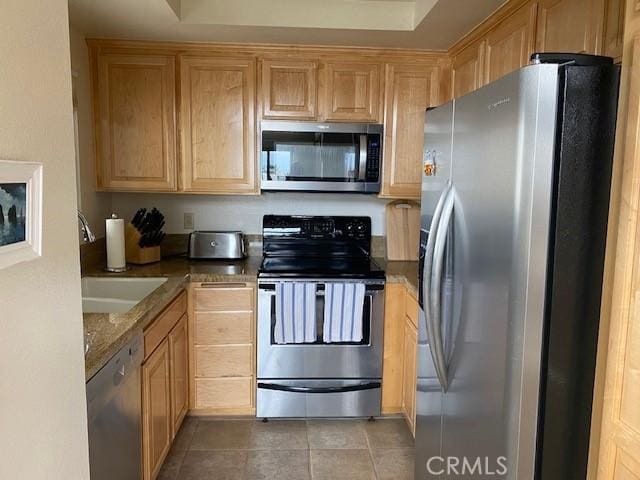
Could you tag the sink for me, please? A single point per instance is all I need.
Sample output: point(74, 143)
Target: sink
point(116, 295)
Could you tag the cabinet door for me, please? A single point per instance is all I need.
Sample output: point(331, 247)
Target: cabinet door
point(289, 89)
point(409, 90)
point(179, 357)
point(569, 26)
point(217, 124)
point(613, 29)
point(156, 410)
point(467, 69)
point(409, 374)
point(393, 352)
point(510, 45)
point(352, 91)
point(135, 122)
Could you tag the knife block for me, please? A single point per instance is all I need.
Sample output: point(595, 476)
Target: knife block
point(135, 253)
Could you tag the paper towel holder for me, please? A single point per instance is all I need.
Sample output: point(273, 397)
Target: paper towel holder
point(116, 269)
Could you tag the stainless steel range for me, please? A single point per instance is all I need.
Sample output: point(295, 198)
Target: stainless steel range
point(319, 376)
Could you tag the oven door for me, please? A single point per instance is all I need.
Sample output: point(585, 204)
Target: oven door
point(321, 360)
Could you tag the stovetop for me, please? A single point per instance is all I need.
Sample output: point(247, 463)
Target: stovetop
point(318, 247)
point(320, 267)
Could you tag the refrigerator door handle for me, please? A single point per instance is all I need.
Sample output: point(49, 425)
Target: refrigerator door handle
point(427, 274)
point(435, 307)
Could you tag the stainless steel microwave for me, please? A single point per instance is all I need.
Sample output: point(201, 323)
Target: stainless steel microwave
point(320, 157)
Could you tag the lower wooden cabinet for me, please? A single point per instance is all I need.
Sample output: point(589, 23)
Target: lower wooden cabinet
point(222, 348)
point(164, 384)
point(156, 410)
point(410, 345)
point(400, 346)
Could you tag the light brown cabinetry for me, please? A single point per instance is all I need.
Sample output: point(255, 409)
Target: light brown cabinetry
point(510, 45)
point(399, 358)
point(289, 89)
point(467, 69)
point(217, 124)
point(222, 349)
point(569, 26)
point(134, 102)
point(179, 365)
point(352, 91)
point(410, 346)
point(156, 408)
point(409, 90)
point(164, 383)
point(613, 35)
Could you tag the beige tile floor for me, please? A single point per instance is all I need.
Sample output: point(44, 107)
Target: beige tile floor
point(208, 449)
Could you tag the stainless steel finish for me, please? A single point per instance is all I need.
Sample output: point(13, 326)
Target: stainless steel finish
point(294, 404)
point(362, 159)
point(501, 152)
point(321, 186)
point(320, 127)
point(114, 416)
point(216, 245)
point(87, 234)
point(321, 360)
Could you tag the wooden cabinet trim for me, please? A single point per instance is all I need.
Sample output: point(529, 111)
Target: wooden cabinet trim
point(179, 369)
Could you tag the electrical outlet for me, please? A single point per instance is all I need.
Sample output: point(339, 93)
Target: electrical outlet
point(188, 221)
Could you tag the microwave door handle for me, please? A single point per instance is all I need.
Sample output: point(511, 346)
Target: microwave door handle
point(362, 159)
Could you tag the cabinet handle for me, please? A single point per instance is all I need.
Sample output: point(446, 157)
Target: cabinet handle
point(223, 285)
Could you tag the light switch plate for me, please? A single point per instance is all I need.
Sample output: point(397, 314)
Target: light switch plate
point(188, 221)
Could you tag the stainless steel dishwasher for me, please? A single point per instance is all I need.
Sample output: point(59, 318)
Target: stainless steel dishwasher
point(114, 416)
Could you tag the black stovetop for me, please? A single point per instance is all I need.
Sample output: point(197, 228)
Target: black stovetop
point(318, 247)
point(320, 267)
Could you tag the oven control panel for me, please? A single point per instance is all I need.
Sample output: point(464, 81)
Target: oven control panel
point(320, 227)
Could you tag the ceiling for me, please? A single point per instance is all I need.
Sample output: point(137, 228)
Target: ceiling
point(424, 24)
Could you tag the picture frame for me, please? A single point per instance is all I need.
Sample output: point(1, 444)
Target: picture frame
point(20, 212)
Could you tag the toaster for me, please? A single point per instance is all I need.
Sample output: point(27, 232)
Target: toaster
point(216, 245)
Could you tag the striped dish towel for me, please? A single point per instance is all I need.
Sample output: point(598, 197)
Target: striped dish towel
point(295, 313)
point(343, 304)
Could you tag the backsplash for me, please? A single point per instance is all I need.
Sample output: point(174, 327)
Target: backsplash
point(245, 212)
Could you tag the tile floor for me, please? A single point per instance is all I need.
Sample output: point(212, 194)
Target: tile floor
point(208, 449)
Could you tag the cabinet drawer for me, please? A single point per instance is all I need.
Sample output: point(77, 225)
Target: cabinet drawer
point(162, 325)
point(222, 328)
point(223, 299)
point(223, 361)
point(223, 392)
point(412, 308)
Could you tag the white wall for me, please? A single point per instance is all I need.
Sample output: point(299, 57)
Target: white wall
point(245, 212)
point(42, 400)
point(96, 206)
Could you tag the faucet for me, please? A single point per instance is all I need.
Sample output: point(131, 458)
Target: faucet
point(87, 234)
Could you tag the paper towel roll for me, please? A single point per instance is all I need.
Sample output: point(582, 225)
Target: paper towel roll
point(116, 259)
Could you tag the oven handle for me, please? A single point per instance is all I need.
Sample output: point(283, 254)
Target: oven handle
point(346, 388)
point(370, 289)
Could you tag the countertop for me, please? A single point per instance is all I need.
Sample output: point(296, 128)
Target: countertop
point(106, 333)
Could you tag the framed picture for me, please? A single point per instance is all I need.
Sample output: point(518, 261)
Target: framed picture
point(20, 212)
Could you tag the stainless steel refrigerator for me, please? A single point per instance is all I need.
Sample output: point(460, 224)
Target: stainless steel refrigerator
point(515, 198)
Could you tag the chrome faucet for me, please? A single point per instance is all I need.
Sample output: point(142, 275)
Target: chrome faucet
point(87, 234)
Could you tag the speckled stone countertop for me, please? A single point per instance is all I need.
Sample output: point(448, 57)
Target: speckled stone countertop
point(106, 333)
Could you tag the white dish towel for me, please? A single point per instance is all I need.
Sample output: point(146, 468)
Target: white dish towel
point(343, 304)
point(295, 313)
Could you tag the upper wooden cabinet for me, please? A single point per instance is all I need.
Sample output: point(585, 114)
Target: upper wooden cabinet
point(217, 124)
point(409, 90)
point(134, 101)
point(569, 26)
point(467, 69)
point(352, 91)
point(289, 89)
point(510, 45)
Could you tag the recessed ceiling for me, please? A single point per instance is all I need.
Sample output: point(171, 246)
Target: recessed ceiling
point(424, 24)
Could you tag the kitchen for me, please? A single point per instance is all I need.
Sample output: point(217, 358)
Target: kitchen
point(300, 139)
